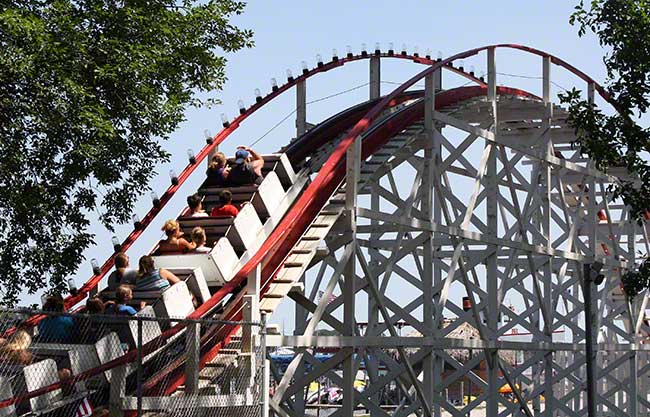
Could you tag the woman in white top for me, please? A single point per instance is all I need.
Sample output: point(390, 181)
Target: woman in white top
point(195, 203)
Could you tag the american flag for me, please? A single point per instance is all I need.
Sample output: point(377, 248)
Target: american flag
point(85, 409)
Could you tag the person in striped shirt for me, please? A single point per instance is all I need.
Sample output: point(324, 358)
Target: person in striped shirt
point(152, 279)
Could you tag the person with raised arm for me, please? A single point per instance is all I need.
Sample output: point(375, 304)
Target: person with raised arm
point(247, 168)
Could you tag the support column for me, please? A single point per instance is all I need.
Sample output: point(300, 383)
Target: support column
point(636, 385)
point(438, 361)
point(251, 311)
point(373, 309)
point(492, 409)
point(253, 288)
point(593, 244)
point(547, 271)
point(427, 246)
point(437, 79)
point(375, 78)
point(632, 409)
point(299, 329)
point(353, 165)
point(301, 108)
point(193, 349)
point(300, 314)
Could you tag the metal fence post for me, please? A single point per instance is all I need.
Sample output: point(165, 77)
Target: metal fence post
point(139, 369)
point(193, 348)
point(589, 354)
point(266, 376)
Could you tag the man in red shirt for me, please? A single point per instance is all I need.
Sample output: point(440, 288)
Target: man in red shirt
point(226, 208)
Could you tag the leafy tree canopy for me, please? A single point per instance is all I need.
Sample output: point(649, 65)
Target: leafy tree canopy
point(88, 89)
point(617, 140)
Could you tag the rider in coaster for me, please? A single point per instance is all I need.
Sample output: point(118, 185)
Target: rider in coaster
point(218, 171)
point(247, 168)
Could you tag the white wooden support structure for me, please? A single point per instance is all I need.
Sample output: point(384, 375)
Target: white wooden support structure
point(375, 78)
point(482, 197)
point(547, 271)
point(486, 199)
point(373, 310)
point(429, 373)
point(352, 175)
point(300, 313)
point(301, 108)
point(492, 273)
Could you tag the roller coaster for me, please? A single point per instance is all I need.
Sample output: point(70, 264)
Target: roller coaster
point(502, 206)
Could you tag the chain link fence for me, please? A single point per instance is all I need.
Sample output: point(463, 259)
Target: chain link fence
point(140, 365)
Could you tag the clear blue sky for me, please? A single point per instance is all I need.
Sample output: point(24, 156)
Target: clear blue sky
point(288, 32)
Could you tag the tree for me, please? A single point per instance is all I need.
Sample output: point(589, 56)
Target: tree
point(617, 140)
point(88, 90)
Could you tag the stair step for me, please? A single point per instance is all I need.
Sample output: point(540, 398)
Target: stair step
point(283, 281)
point(272, 295)
point(293, 264)
point(301, 252)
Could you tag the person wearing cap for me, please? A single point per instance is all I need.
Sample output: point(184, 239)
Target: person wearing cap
point(247, 168)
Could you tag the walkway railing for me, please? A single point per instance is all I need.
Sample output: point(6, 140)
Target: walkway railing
point(45, 369)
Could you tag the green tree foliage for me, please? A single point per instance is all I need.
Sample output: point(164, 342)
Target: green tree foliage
point(617, 140)
point(88, 90)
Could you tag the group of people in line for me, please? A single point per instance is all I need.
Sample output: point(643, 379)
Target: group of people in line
point(246, 169)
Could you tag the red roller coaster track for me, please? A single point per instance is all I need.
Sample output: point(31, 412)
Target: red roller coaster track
point(276, 247)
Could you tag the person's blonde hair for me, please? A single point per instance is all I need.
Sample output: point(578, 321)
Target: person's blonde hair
point(20, 341)
point(198, 235)
point(169, 227)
